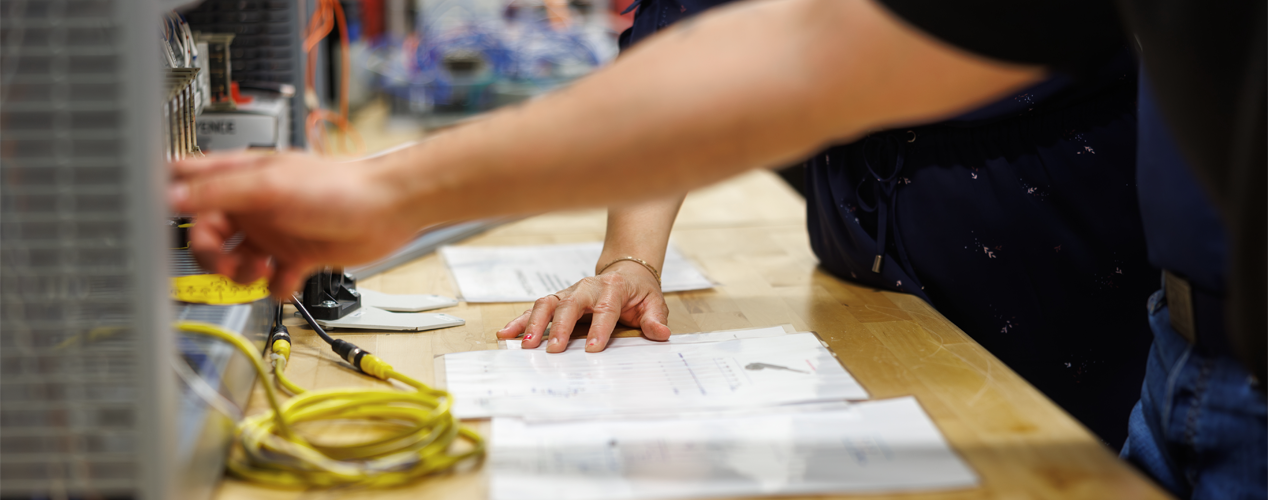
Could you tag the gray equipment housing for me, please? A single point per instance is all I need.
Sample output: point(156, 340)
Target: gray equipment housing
point(267, 46)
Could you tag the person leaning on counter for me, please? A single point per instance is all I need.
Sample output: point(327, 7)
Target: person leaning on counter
point(764, 83)
point(1018, 220)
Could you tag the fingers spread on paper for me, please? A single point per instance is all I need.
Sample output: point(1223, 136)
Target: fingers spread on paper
point(609, 299)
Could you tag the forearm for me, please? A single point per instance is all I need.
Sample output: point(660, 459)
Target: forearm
point(665, 117)
point(757, 84)
point(640, 230)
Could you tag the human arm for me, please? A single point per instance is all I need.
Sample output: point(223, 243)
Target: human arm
point(622, 291)
point(749, 85)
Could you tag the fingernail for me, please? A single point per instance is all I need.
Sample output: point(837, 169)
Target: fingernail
point(555, 340)
point(528, 337)
point(178, 193)
point(592, 343)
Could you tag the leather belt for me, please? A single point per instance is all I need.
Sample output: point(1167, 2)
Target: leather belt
point(1180, 303)
point(1197, 315)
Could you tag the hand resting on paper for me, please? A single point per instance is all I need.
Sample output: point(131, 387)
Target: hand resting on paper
point(621, 290)
point(625, 292)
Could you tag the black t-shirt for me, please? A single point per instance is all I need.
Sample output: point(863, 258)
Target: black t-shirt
point(1207, 61)
point(1074, 37)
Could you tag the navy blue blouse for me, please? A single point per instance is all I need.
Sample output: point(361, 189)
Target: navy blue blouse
point(1018, 221)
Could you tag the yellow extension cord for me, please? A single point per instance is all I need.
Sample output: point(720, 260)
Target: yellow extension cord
point(424, 431)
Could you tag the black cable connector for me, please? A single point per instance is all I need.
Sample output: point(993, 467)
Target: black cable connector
point(349, 352)
point(346, 350)
point(280, 337)
point(280, 333)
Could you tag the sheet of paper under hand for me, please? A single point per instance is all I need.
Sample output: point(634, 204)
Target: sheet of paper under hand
point(875, 446)
point(527, 273)
point(686, 338)
point(648, 379)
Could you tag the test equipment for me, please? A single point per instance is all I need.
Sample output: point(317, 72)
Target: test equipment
point(99, 395)
point(266, 46)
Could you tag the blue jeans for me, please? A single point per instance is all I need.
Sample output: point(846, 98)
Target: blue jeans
point(1199, 428)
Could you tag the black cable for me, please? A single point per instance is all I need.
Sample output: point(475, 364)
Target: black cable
point(312, 322)
point(346, 350)
point(279, 331)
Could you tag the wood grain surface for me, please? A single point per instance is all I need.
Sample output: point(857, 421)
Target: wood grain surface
point(748, 234)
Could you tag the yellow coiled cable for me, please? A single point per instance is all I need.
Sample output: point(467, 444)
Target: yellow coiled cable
point(421, 439)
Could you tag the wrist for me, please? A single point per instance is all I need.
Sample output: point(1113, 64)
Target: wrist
point(654, 257)
point(402, 189)
point(629, 264)
point(629, 270)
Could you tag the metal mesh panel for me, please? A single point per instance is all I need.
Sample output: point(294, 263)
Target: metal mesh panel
point(74, 333)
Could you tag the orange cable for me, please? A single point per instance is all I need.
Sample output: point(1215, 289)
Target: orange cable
point(325, 17)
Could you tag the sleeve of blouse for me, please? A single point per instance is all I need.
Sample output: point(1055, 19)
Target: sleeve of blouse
point(1073, 36)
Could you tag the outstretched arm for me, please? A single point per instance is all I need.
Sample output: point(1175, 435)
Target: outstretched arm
point(755, 84)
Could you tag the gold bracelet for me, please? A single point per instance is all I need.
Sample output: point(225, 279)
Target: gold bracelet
point(642, 262)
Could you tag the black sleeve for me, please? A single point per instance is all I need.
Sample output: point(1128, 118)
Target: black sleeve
point(1073, 37)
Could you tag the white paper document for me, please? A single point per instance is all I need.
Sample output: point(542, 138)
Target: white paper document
point(647, 379)
point(870, 447)
point(686, 338)
point(527, 273)
point(372, 318)
point(404, 303)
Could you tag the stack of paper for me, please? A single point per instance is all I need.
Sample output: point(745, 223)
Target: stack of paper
point(527, 273)
point(749, 412)
point(868, 447)
point(742, 373)
point(688, 338)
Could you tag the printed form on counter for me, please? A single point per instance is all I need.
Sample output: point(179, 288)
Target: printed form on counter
point(685, 338)
point(527, 273)
point(869, 447)
point(652, 378)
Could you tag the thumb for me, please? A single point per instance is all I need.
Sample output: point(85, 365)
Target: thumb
point(654, 321)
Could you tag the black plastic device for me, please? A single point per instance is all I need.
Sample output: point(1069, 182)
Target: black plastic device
point(330, 295)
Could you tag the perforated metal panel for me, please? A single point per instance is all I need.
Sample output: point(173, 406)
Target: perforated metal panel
point(85, 400)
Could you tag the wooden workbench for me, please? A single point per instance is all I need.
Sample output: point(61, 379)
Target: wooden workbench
point(749, 235)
